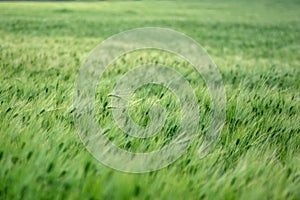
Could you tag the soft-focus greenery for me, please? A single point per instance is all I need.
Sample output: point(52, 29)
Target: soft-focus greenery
point(256, 46)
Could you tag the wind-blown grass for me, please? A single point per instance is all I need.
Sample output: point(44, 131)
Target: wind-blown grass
point(256, 47)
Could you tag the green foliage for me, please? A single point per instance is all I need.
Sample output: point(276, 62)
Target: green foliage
point(256, 47)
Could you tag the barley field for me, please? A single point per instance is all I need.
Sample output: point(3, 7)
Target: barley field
point(256, 47)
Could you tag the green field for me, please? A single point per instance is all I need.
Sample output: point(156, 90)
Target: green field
point(256, 46)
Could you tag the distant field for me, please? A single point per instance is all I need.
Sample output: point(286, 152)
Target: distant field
point(256, 46)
